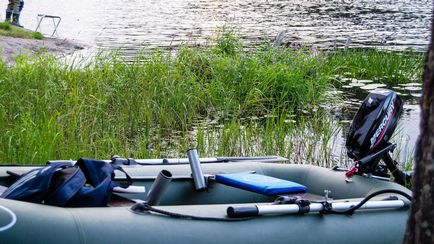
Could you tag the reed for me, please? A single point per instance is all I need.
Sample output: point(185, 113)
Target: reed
point(388, 67)
point(223, 99)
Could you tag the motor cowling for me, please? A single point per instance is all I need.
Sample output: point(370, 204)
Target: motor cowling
point(374, 123)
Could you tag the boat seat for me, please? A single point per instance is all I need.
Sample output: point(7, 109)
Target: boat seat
point(259, 183)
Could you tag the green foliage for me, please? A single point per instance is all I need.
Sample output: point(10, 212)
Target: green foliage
point(390, 68)
point(5, 26)
point(228, 43)
point(161, 104)
point(7, 29)
point(38, 35)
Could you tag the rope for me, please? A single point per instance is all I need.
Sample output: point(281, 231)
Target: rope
point(350, 211)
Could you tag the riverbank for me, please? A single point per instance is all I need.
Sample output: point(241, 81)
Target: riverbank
point(12, 47)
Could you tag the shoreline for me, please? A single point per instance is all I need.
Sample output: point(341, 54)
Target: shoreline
point(11, 47)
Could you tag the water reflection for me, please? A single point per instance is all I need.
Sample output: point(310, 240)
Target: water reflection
point(133, 24)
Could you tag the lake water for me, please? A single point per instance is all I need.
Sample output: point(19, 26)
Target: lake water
point(133, 24)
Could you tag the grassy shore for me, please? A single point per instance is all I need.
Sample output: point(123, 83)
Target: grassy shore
point(222, 99)
point(7, 29)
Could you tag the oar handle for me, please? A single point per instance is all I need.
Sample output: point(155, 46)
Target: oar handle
point(242, 212)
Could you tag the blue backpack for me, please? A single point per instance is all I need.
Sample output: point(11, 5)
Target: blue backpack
point(88, 183)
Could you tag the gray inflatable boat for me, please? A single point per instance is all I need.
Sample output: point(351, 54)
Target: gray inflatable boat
point(191, 216)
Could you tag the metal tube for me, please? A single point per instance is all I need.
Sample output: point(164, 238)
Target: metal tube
point(196, 170)
point(371, 205)
point(265, 159)
point(158, 187)
point(278, 209)
point(255, 210)
point(338, 206)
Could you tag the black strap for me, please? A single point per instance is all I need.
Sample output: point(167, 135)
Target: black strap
point(117, 160)
point(143, 208)
point(327, 208)
point(123, 183)
point(303, 206)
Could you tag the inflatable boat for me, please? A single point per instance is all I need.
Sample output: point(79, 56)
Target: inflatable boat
point(119, 222)
point(220, 200)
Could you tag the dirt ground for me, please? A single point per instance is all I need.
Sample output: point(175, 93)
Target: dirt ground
point(11, 47)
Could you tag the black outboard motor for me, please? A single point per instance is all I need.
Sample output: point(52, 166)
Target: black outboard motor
point(374, 123)
point(368, 138)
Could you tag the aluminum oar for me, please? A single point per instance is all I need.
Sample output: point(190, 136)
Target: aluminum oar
point(131, 161)
point(256, 210)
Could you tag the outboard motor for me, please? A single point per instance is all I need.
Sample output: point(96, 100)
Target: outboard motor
point(374, 123)
point(368, 138)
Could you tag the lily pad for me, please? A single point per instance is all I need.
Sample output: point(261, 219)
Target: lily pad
point(356, 84)
point(411, 84)
point(373, 86)
point(413, 88)
point(365, 81)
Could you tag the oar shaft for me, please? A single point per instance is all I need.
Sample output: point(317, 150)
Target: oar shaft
point(237, 212)
point(157, 161)
point(211, 160)
point(370, 205)
point(337, 206)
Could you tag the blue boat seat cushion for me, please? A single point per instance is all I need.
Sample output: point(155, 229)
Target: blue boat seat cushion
point(262, 184)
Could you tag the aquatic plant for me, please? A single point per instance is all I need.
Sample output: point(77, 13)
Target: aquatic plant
point(382, 66)
point(223, 99)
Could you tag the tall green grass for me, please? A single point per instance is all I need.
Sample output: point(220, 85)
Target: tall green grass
point(388, 67)
point(304, 141)
point(163, 103)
